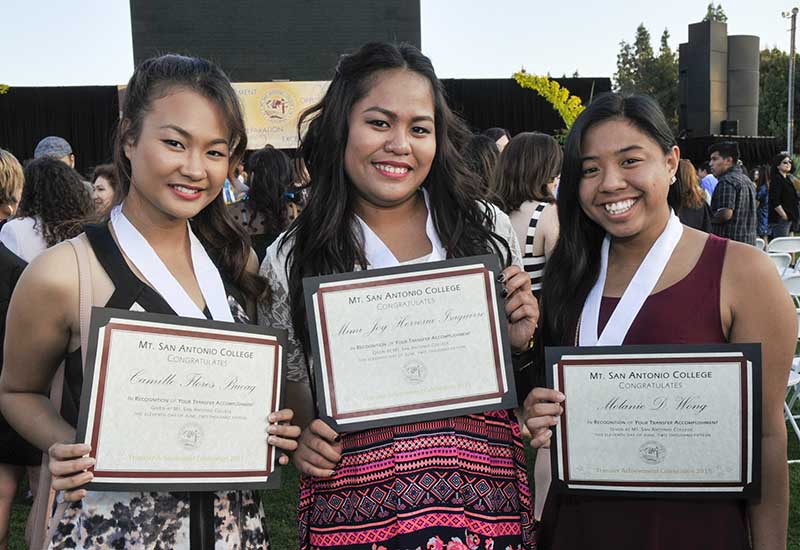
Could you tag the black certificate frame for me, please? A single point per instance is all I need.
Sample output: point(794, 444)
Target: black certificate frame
point(491, 265)
point(750, 352)
point(100, 320)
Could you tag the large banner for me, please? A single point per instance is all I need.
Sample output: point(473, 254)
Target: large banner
point(271, 110)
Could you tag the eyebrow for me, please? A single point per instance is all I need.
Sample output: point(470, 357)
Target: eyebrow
point(187, 135)
point(617, 152)
point(393, 116)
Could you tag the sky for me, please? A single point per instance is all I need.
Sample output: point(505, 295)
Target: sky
point(88, 42)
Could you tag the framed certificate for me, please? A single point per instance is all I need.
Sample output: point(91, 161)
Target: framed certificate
point(658, 420)
point(403, 344)
point(177, 404)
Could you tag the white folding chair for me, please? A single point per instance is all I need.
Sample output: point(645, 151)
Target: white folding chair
point(760, 243)
point(792, 395)
point(782, 261)
point(789, 245)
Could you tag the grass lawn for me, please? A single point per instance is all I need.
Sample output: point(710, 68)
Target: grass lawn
point(281, 506)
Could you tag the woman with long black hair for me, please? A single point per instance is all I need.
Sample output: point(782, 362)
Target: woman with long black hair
point(619, 232)
point(169, 248)
point(390, 187)
point(783, 208)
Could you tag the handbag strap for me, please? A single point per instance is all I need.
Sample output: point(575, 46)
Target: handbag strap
point(45, 522)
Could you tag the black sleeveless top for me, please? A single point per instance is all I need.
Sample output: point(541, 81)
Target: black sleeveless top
point(128, 290)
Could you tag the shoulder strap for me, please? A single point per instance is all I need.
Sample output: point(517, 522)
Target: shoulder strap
point(44, 524)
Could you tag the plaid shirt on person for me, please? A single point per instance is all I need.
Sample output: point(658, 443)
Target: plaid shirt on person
point(735, 191)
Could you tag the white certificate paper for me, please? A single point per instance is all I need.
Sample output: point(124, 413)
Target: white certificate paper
point(402, 344)
point(178, 403)
point(660, 422)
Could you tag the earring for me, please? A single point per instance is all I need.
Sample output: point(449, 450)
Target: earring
point(674, 179)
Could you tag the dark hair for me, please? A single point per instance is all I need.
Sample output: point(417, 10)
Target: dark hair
point(726, 149)
point(692, 195)
point(496, 133)
point(155, 78)
point(55, 196)
point(325, 238)
point(764, 175)
point(527, 165)
point(575, 263)
point(482, 154)
point(706, 167)
point(776, 161)
point(270, 172)
point(105, 171)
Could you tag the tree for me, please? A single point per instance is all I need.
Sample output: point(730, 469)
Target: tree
point(640, 71)
point(773, 91)
point(715, 14)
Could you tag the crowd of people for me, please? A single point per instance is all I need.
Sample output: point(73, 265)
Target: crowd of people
point(385, 175)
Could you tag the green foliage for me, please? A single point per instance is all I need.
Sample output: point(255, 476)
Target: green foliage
point(3, 88)
point(715, 14)
point(567, 105)
point(772, 99)
point(641, 71)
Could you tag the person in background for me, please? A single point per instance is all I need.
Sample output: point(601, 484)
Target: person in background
point(693, 210)
point(522, 186)
point(783, 208)
point(616, 192)
point(482, 154)
point(761, 178)
point(263, 213)
point(55, 147)
point(500, 136)
point(16, 454)
point(104, 185)
point(53, 206)
point(708, 182)
point(733, 204)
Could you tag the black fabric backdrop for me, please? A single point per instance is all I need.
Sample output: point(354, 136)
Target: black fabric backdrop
point(752, 150)
point(485, 103)
point(86, 116)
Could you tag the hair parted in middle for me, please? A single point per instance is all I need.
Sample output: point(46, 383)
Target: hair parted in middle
point(527, 165)
point(325, 238)
point(574, 265)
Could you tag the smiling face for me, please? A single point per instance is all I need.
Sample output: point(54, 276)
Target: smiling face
point(102, 195)
point(181, 158)
point(626, 179)
point(391, 141)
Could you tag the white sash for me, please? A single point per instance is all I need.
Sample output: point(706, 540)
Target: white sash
point(378, 254)
point(142, 255)
point(634, 296)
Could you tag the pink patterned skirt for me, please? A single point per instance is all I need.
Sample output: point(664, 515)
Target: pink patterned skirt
point(452, 484)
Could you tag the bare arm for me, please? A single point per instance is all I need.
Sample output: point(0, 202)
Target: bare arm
point(722, 215)
point(544, 241)
point(41, 322)
point(764, 313)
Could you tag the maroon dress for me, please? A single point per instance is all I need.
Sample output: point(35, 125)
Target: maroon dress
point(687, 312)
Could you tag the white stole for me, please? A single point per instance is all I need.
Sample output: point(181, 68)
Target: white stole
point(142, 255)
point(640, 287)
point(378, 254)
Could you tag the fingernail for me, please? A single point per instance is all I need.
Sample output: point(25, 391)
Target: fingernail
point(333, 473)
point(504, 292)
point(91, 461)
point(338, 438)
point(271, 440)
point(273, 418)
point(560, 397)
point(555, 420)
point(501, 278)
point(271, 429)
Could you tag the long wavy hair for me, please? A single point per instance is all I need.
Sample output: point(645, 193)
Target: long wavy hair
point(575, 263)
point(527, 165)
point(55, 196)
point(324, 238)
point(226, 242)
point(691, 193)
point(271, 172)
point(482, 154)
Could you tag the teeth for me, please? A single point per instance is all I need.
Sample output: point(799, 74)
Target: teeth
point(391, 169)
point(619, 207)
point(183, 189)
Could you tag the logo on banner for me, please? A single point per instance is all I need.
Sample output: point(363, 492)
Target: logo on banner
point(277, 106)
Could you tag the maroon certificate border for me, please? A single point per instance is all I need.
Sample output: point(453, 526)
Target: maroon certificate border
point(101, 387)
point(488, 285)
point(589, 361)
